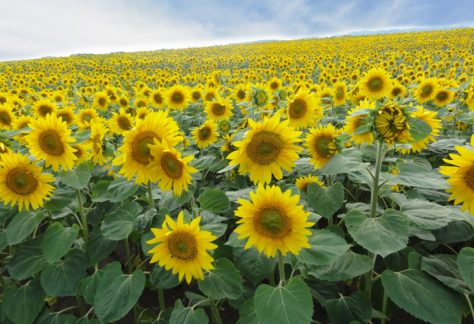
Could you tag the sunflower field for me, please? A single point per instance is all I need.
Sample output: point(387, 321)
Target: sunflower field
point(312, 181)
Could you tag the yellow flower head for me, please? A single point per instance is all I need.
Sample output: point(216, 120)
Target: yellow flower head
point(206, 134)
point(321, 143)
point(304, 109)
point(376, 84)
point(391, 124)
point(303, 182)
point(220, 109)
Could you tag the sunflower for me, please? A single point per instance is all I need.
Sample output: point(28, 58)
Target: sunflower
point(121, 122)
point(85, 118)
point(183, 248)
point(355, 119)
point(303, 182)
point(443, 97)
point(228, 146)
point(178, 97)
point(428, 117)
point(426, 90)
point(95, 143)
point(461, 176)
point(398, 90)
point(304, 109)
point(7, 116)
point(134, 154)
point(157, 98)
point(81, 152)
point(268, 147)
point(340, 93)
point(273, 221)
point(218, 110)
point(261, 96)
point(44, 107)
point(196, 94)
point(23, 183)
point(67, 115)
point(142, 113)
point(321, 143)
point(375, 84)
point(173, 171)
point(50, 140)
point(206, 134)
point(240, 94)
point(391, 124)
point(101, 100)
point(274, 84)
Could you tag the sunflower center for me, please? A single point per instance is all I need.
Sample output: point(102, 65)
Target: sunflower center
point(218, 109)
point(204, 133)
point(210, 96)
point(177, 97)
point(86, 118)
point(265, 147)
point(124, 123)
point(241, 94)
point(442, 95)
point(21, 181)
point(298, 108)
point(5, 118)
point(196, 95)
point(274, 85)
point(182, 245)
point(44, 110)
point(272, 222)
point(469, 177)
point(375, 84)
point(158, 98)
point(140, 147)
point(261, 98)
point(340, 93)
point(65, 117)
point(396, 91)
point(426, 90)
point(50, 142)
point(325, 146)
point(102, 101)
point(171, 165)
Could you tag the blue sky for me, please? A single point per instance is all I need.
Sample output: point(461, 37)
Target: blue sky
point(37, 28)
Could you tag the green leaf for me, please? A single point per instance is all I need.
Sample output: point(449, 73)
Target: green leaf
point(117, 293)
point(465, 261)
point(417, 176)
point(171, 202)
point(27, 260)
point(81, 136)
point(119, 224)
point(57, 240)
point(22, 225)
point(62, 278)
point(382, 235)
point(98, 248)
point(187, 315)
point(254, 266)
point(443, 267)
point(345, 309)
point(23, 304)
point(161, 278)
point(247, 314)
point(425, 214)
point(422, 296)
point(88, 286)
point(113, 191)
point(48, 317)
point(326, 201)
point(419, 129)
point(222, 282)
point(61, 198)
point(326, 247)
point(347, 266)
point(214, 200)
point(77, 178)
point(288, 304)
point(349, 160)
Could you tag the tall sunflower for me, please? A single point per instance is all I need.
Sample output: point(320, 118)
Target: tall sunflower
point(178, 97)
point(304, 109)
point(273, 221)
point(219, 109)
point(173, 171)
point(321, 143)
point(461, 176)
point(23, 183)
point(134, 154)
point(183, 248)
point(268, 147)
point(375, 84)
point(50, 140)
point(206, 134)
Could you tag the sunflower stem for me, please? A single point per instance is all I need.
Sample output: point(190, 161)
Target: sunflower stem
point(470, 305)
point(127, 255)
point(281, 267)
point(85, 228)
point(384, 306)
point(150, 196)
point(216, 316)
point(161, 299)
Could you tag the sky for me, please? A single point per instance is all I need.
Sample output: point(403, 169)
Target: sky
point(39, 28)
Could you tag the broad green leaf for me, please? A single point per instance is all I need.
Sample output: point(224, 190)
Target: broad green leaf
point(62, 278)
point(287, 304)
point(57, 240)
point(247, 313)
point(326, 246)
point(22, 225)
point(77, 178)
point(214, 200)
point(345, 309)
point(213, 223)
point(23, 304)
point(88, 286)
point(114, 191)
point(347, 161)
point(465, 262)
point(426, 215)
point(187, 315)
point(414, 175)
point(119, 224)
point(171, 202)
point(443, 267)
point(326, 201)
point(48, 317)
point(117, 293)
point(98, 248)
point(382, 235)
point(422, 296)
point(254, 266)
point(347, 266)
point(161, 278)
point(27, 260)
point(61, 198)
point(222, 282)
point(419, 129)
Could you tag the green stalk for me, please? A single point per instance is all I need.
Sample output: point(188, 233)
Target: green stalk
point(161, 299)
point(384, 306)
point(281, 268)
point(470, 305)
point(127, 255)
point(150, 196)
point(85, 228)
point(215, 312)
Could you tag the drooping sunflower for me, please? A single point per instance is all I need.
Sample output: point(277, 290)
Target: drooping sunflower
point(304, 109)
point(391, 124)
point(44, 107)
point(95, 143)
point(178, 97)
point(428, 117)
point(321, 143)
point(183, 248)
point(340, 93)
point(268, 147)
point(461, 176)
point(273, 221)
point(206, 134)
point(134, 154)
point(355, 119)
point(375, 84)
point(219, 109)
point(303, 182)
point(50, 140)
point(173, 171)
point(426, 90)
point(121, 122)
point(23, 183)
point(7, 116)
